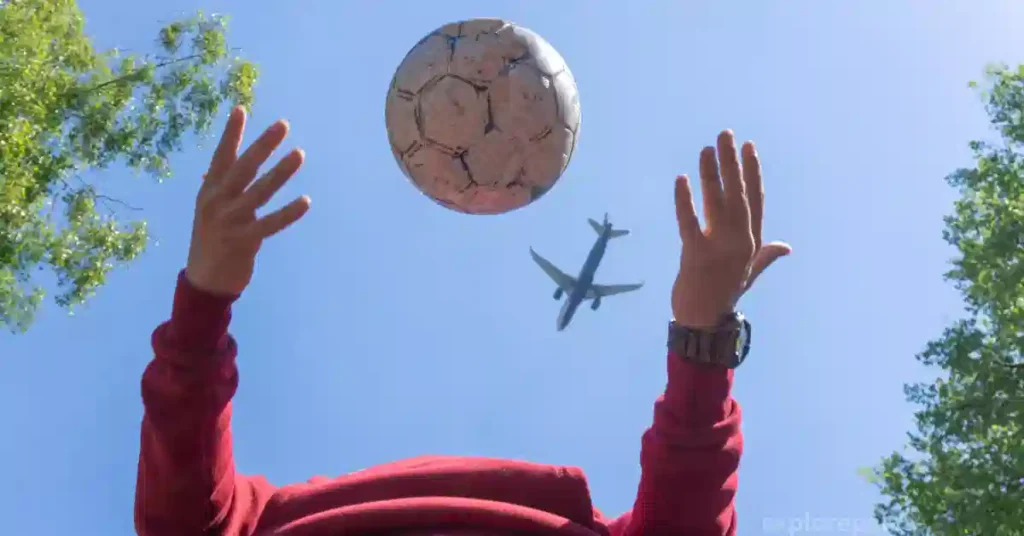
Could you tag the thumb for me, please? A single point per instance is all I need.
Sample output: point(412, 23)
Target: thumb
point(768, 254)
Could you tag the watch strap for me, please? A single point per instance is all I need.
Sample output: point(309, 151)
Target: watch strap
point(726, 345)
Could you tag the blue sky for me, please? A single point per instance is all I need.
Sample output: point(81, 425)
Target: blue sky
point(383, 326)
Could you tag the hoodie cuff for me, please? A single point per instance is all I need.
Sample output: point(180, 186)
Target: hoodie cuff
point(700, 395)
point(199, 319)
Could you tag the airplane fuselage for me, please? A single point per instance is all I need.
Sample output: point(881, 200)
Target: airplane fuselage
point(585, 279)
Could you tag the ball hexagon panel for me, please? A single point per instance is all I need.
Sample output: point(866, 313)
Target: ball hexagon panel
point(543, 56)
point(495, 160)
point(400, 118)
point(496, 199)
point(437, 173)
point(452, 29)
point(523, 102)
point(452, 114)
point(474, 27)
point(480, 59)
point(547, 157)
point(568, 100)
point(425, 62)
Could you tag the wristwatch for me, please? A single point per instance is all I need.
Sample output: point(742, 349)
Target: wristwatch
point(726, 345)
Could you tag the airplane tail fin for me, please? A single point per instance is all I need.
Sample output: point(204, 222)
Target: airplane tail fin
point(599, 229)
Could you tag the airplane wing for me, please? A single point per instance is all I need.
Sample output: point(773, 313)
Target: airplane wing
point(564, 281)
point(600, 291)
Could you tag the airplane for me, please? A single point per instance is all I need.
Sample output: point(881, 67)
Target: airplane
point(582, 287)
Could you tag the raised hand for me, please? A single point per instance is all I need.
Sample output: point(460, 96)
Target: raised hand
point(721, 262)
point(226, 234)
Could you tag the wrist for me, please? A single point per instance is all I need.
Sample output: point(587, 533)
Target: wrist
point(199, 318)
point(700, 305)
point(199, 280)
point(702, 317)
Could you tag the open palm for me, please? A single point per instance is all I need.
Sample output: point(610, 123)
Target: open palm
point(720, 262)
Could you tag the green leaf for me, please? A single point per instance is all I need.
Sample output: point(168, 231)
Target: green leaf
point(964, 472)
point(66, 110)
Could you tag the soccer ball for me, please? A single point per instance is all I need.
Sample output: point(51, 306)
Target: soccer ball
point(483, 116)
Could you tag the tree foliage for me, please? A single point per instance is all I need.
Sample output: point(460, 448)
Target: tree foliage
point(68, 111)
point(965, 472)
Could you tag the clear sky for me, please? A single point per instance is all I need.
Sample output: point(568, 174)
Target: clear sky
point(383, 326)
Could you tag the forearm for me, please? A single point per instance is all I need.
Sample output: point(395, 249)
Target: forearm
point(185, 451)
point(690, 456)
point(186, 479)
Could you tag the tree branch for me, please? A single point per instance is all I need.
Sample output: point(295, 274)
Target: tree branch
point(118, 201)
point(123, 78)
point(105, 199)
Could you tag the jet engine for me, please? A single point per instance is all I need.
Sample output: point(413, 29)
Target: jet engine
point(596, 304)
point(558, 293)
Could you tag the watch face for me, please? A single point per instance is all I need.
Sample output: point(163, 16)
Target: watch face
point(743, 340)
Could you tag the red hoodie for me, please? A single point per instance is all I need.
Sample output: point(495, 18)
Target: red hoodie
point(188, 485)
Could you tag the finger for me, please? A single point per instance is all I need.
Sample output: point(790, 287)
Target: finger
point(244, 170)
point(711, 189)
point(732, 182)
point(764, 258)
point(266, 186)
point(686, 213)
point(755, 190)
point(227, 149)
point(280, 219)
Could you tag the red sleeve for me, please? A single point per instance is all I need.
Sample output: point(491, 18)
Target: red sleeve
point(186, 481)
point(689, 458)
